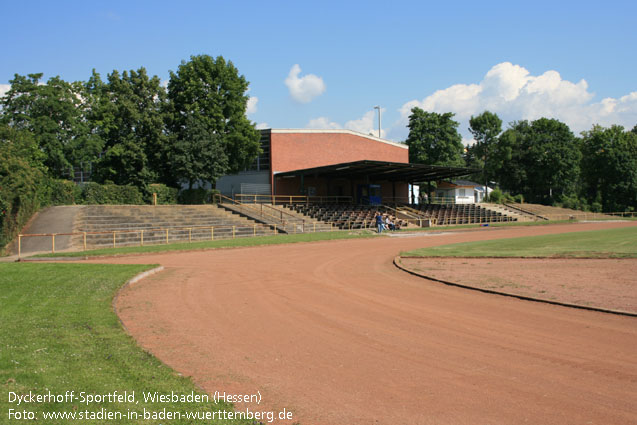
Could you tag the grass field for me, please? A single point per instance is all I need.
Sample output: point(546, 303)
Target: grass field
point(59, 334)
point(612, 243)
point(224, 243)
point(500, 224)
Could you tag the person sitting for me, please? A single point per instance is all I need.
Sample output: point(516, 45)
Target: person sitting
point(389, 224)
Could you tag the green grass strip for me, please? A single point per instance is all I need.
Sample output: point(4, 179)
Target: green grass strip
point(610, 243)
point(499, 224)
point(223, 243)
point(59, 334)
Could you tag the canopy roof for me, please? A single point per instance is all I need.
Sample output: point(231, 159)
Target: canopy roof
point(384, 171)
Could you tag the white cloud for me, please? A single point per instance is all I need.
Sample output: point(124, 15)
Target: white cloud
point(304, 89)
point(366, 124)
point(4, 88)
point(252, 105)
point(322, 123)
point(514, 94)
point(262, 125)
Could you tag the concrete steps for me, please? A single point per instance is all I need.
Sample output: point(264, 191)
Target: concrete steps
point(504, 210)
point(108, 225)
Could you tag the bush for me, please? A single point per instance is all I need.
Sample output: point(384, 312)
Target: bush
point(23, 190)
point(496, 196)
point(166, 195)
point(518, 198)
point(64, 192)
point(574, 203)
point(197, 196)
point(94, 193)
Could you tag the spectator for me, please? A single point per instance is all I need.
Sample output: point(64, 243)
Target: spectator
point(379, 222)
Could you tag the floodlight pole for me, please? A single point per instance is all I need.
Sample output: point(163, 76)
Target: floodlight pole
point(378, 107)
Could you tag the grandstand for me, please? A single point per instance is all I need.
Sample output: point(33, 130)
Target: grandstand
point(346, 216)
point(545, 212)
point(99, 226)
point(447, 214)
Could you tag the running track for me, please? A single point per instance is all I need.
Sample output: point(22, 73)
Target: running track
point(335, 333)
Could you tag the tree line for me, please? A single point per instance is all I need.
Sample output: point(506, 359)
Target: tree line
point(130, 130)
point(542, 160)
point(132, 135)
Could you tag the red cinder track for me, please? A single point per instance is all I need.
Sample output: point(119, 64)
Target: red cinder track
point(335, 333)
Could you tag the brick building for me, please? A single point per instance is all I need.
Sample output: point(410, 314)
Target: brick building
point(330, 163)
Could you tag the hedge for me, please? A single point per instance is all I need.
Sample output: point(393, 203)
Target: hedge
point(95, 193)
point(197, 196)
point(166, 195)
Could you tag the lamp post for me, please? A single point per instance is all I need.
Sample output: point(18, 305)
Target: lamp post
point(378, 107)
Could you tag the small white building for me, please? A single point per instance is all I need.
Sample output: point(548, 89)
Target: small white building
point(461, 192)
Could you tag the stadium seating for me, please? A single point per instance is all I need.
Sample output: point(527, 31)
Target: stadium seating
point(346, 216)
point(159, 224)
point(448, 214)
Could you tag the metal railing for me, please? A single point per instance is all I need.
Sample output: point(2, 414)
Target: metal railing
point(265, 211)
point(291, 199)
point(167, 235)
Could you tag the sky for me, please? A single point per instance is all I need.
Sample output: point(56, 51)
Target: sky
point(327, 64)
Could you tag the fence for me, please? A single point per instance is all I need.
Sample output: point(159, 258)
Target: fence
point(291, 199)
point(142, 237)
point(154, 236)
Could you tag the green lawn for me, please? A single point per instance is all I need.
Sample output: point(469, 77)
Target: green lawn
point(58, 333)
point(499, 224)
point(224, 243)
point(612, 243)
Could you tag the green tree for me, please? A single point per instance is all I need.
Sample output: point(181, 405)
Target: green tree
point(52, 112)
point(23, 182)
point(609, 168)
point(485, 129)
point(199, 156)
point(208, 101)
point(434, 139)
point(127, 113)
point(539, 160)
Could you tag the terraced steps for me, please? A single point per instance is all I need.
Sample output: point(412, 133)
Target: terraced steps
point(114, 225)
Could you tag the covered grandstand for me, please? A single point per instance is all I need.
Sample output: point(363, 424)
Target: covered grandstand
point(344, 178)
point(332, 163)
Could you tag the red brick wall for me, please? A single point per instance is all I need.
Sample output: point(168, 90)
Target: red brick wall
point(295, 151)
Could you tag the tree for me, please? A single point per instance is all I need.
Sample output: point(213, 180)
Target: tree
point(52, 113)
point(22, 180)
point(434, 139)
point(539, 159)
point(127, 113)
point(609, 168)
point(199, 156)
point(485, 129)
point(208, 101)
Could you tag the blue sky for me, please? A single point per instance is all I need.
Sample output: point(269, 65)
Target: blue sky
point(327, 64)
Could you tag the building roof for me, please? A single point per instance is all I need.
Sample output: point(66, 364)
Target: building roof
point(335, 131)
point(382, 170)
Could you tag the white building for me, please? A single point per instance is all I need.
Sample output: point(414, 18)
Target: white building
point(461, 192)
